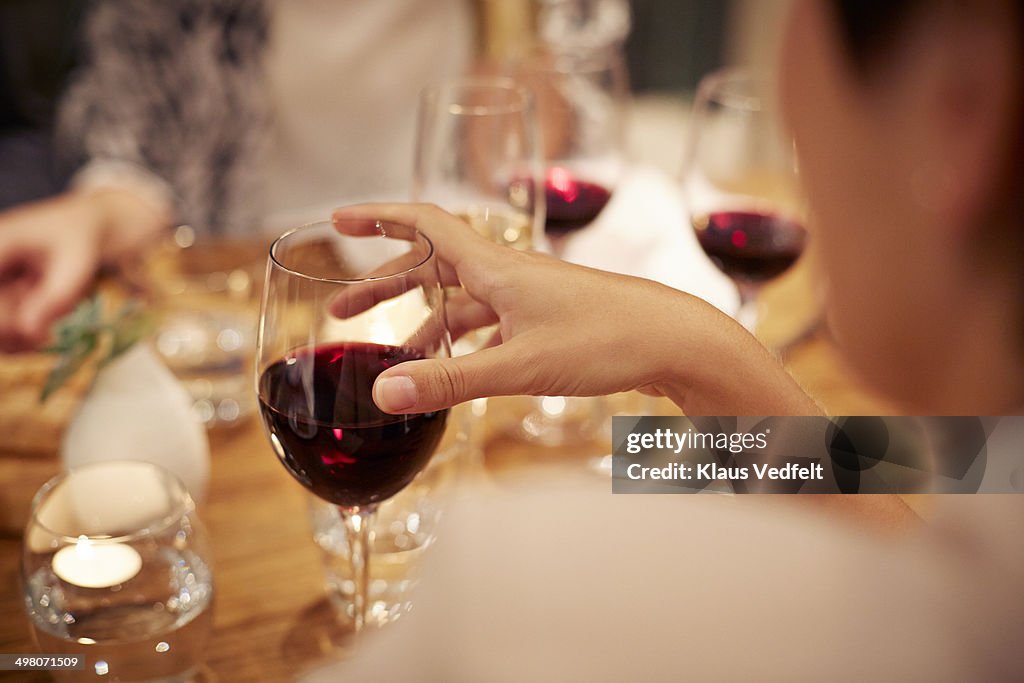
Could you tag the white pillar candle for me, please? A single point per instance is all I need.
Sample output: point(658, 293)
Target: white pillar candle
point(96, 565)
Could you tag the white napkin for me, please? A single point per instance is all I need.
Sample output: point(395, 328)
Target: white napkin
point(645, 231)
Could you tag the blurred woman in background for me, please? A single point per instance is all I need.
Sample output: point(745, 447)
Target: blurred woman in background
point(233, 116)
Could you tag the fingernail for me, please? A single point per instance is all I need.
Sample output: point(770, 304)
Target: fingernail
point(395, 394)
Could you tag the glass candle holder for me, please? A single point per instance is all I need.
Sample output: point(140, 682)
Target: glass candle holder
point(114, 568)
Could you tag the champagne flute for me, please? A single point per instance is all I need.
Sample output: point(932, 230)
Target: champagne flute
point(339, 308)
point(477, 156)
point(741, 184)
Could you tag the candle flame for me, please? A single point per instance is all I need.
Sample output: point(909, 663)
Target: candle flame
point(84, 548)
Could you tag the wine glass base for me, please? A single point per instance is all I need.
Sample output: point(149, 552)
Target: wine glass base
point(601, 465)
point(379, 612)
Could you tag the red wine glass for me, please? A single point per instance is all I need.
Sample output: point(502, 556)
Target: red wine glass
point(741, 184)
point(340, 307)
point(581, 95)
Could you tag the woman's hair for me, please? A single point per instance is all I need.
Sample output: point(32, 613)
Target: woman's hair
point(870, 31)
point(869, 28)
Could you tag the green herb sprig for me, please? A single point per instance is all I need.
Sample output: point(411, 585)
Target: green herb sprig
point(83, 331)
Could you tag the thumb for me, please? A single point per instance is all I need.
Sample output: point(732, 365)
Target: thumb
point(421, 386)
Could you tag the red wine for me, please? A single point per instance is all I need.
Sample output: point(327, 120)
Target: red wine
point(750, 246)
point(571, 203)
point(328, 432)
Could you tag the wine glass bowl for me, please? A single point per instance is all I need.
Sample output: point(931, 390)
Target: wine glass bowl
point(741, 184)
point(343, 303)
point(581, 95)
point(344, 449)
point(751, 247)
point(477, 155)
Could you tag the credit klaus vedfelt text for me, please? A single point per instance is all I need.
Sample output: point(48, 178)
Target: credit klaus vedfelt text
point(818, 455)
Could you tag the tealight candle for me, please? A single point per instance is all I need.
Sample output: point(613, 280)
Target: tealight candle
point(96, 565)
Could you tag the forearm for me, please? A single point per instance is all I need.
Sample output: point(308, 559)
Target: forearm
point(128, 221)
point(715, 367)
point(726, 371)
point(882, 512)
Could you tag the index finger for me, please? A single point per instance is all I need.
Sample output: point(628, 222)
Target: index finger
point(454, 241)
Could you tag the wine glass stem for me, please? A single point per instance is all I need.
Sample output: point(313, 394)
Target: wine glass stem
point(358, 524)
point(557, 244)
point(477, 436)
point(746, 315)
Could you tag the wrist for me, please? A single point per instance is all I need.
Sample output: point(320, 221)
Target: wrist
point(718, 368)
point(124, 222)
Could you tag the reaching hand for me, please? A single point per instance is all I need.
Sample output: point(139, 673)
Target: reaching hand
point(566, 330)
point(50, 251)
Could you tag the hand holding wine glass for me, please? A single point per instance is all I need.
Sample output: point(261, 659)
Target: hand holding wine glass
point(317, 366)
point(571, 331)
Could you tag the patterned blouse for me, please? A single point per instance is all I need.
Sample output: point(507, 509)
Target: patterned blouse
point(171, 91)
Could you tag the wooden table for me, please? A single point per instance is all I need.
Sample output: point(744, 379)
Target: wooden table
point(271, 619)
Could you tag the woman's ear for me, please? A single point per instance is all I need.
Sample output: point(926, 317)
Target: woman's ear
point(961, 106)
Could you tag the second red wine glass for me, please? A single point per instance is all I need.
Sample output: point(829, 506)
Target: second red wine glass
point(581, 97)
point(741, 184)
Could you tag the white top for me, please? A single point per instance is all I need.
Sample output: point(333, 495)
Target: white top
point(344, 78)
point(571, 583)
